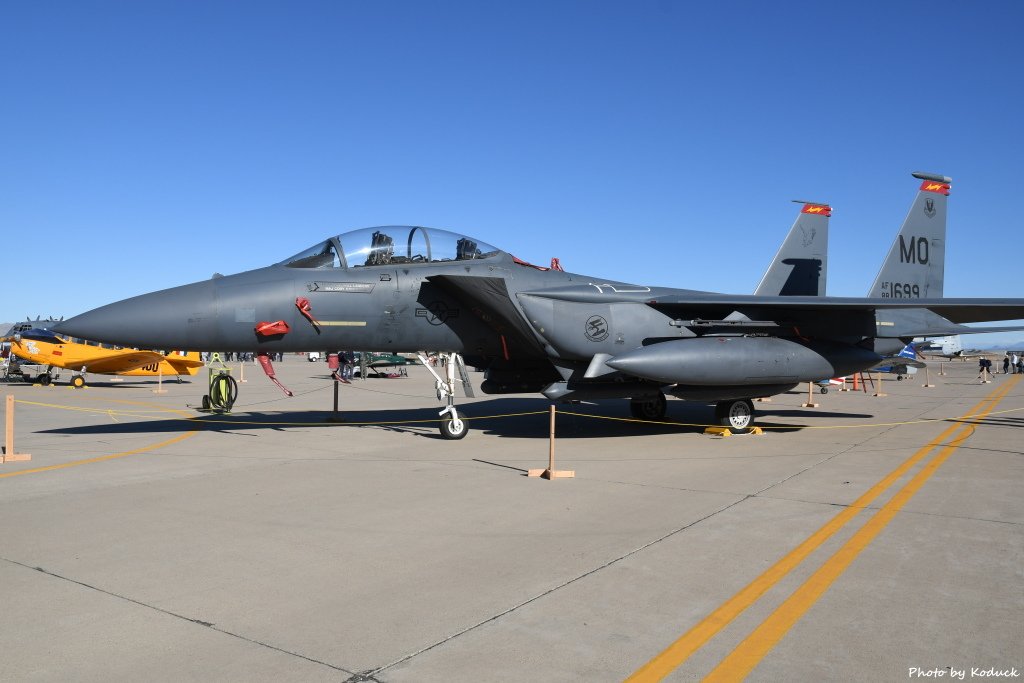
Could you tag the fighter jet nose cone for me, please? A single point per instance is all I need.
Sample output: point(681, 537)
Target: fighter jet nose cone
point(170, 319)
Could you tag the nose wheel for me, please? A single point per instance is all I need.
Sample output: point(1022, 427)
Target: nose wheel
point(452, 426)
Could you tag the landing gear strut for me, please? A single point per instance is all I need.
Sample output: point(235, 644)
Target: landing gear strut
point(736, 414)
point(452, 426)
point(649, 409)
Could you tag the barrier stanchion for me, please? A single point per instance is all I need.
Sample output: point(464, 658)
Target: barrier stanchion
point(9, 455)
point(241, 372)
point(878, 388)
point(551, 472)
point(335, 416)
point(810, 397)
point(942, 368)
point(927, 379)
point(160, 383)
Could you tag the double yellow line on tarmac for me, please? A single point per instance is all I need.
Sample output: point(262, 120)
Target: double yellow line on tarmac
point(753, 649)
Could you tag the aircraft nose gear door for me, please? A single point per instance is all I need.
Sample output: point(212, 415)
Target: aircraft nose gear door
point(452, 426)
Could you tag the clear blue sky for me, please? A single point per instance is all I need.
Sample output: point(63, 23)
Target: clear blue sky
point(149, 144)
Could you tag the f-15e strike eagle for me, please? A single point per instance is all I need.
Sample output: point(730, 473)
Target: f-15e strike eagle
point(567, 336)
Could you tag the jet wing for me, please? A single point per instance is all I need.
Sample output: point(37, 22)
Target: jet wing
point(714, 312)
point(898, 361)
point(119, 361)
point(953, 310)
point(710, 304)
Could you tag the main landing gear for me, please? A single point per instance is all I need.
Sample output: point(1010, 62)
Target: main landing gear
point(735, 414)
point(649, 409)
point(452, 426)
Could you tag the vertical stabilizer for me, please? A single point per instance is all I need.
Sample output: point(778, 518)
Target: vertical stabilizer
point(915, 265)
point(799, 267)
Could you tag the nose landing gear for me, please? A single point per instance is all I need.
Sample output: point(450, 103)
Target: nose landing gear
point(452, 426)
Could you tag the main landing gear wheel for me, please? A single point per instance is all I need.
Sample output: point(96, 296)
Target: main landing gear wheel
point(44, 379)
point(77, 381)
point(453, 427)
point(651, 409)
point(737, 415)
point(824, 390)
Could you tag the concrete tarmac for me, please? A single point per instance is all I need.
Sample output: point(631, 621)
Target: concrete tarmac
point(869, 539)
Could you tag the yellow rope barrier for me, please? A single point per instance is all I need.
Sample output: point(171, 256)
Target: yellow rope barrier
point(158, 414)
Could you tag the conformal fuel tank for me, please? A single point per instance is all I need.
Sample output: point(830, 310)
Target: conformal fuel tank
point(743, 360)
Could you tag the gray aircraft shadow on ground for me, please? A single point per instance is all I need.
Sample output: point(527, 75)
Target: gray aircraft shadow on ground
point(499, 417)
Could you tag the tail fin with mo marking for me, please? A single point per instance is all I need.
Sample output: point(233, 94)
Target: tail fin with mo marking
point(915, 265)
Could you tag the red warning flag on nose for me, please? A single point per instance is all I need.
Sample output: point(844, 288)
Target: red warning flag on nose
point(270, 329)
point(302, 303)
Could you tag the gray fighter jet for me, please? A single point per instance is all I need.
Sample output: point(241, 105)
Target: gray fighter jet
point(535, 329)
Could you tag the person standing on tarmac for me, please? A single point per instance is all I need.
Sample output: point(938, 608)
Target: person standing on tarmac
point(348, 362)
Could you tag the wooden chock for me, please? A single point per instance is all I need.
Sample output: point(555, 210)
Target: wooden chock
point(9, 455)
point(725, 431)
point(551, 472)
point(810, 397)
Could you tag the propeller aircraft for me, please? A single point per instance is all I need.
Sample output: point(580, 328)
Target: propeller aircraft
point(43, 347)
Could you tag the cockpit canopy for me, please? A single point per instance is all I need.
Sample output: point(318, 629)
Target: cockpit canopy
point(390, 245)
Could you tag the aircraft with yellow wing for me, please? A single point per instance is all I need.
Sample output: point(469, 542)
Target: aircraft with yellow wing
point(43, 347)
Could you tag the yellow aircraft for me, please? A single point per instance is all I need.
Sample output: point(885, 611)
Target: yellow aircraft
point(47, 348)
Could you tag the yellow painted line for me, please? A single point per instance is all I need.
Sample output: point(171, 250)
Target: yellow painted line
point(343, 323)
point(765, 637)
point(168, 442)
point(112, 456)
point(679, 651)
